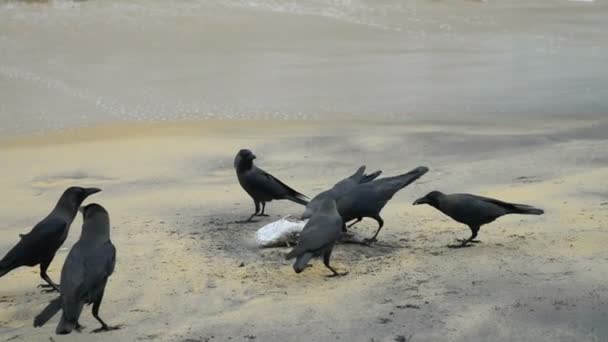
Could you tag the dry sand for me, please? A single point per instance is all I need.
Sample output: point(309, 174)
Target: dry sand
point(173, 198)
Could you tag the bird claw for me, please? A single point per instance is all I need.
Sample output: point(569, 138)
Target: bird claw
point(79, 327)
point(462, 245)
point(263, 215)
point(48, 288)
point(333, 275)
point(369, 242)
point(355, 241)
point(468, 241)
point(106, 328)
point(245, 221)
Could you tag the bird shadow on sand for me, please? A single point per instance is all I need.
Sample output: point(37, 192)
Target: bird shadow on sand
point(221, 233)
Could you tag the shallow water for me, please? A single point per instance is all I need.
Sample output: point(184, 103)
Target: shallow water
point(65, 64)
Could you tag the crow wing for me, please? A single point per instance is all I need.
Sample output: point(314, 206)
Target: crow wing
point(39, 244)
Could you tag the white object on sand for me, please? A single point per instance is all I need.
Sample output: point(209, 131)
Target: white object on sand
point(279, 233)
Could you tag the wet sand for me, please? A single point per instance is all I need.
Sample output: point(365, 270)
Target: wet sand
point(83, 63)
point(173, 199)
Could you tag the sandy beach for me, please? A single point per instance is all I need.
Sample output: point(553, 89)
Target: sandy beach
point(173, 199)
point(150, 100)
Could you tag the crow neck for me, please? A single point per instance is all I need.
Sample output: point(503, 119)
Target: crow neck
point(65, 207)
point(245, 165)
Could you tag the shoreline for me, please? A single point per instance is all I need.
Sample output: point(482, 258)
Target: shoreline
point(139, 129)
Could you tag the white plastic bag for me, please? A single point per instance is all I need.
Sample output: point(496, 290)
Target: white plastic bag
point(279, 233)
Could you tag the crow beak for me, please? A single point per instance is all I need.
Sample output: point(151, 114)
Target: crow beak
point(421, 200)
point(90, 191)
point(253, 156)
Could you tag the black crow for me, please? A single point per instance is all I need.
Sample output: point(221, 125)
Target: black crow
point(368, 199)
point(318, 237)
point(42, 242)
point(339, 189)
point(85, 274)
point(473, 210)
point(262, 186)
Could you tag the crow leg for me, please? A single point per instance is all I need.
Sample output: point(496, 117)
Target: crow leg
point(257, 210)
point(104, 326)
point(474, 231)
point(50, 286)
point(326, 257)
point(263, 208)
point(465, 242)
point(79, 327)
point(359, 219)
point(380, 225)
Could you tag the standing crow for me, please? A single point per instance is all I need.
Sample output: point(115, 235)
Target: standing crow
point(262, 186)
point(339, 189)
point(84, 274)
point(368, 199)
point(40, 245)
point(318, 237)
point(474, 211)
